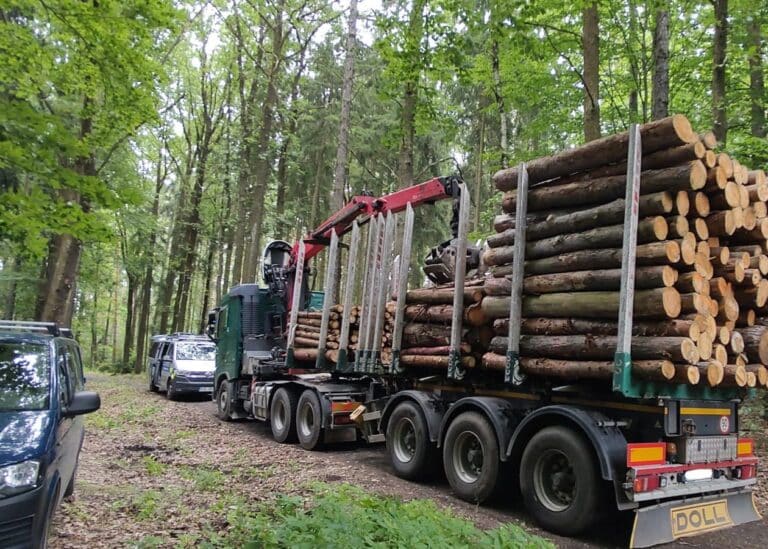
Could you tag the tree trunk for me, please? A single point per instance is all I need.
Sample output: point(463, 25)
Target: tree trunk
point(719, 46)
point(432, 361)
point(130, 309)
point(756, 77)
point(581, 326)
point(590, 42)
point(595, 347)
point(9, 309)
point(650, 229)
point(662, 276)
point(498, 92)
point(342, 150)
point(657, 303)
point(689, 176)
point(656, 253)
point(413, 39)
point(660, 134)
point(660, 90)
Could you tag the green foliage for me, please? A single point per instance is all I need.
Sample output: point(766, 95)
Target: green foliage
point(346, 515)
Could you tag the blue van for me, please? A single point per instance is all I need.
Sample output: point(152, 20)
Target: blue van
point(42, 401)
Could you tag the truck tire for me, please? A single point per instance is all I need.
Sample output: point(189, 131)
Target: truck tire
point(411, 453)
point(559, 481)
point(309, 420)
point(224, 401)
point(282, 415)
point(471, 457)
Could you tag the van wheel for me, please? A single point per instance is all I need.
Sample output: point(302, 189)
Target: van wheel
point(309, 420)
point(559, 481)
point(411, 453)
point(471, 457)
point(224, 401)
point(170, 392)
point(152, 387)
point(282, 415)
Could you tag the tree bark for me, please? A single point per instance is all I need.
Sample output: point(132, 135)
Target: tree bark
point(652, 229)
point(660, 90)
point(590, 43)
point(719, 46)
point(689, 176)
point(342, 150)
point(657, 303)
point(498, 94)
point(581, 326)
point(660, 134)
point(756, 76)
point(595, 347)
point(656, 253)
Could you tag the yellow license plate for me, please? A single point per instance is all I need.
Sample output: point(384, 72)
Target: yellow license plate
point(694, 519)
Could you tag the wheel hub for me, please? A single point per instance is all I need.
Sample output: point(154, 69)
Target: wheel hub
point(554, 480)
point(404, 440)
point(468, 457)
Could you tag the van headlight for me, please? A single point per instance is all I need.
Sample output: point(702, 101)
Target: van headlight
point(18, 477)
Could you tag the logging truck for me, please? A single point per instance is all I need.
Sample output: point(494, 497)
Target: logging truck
point(576, 425)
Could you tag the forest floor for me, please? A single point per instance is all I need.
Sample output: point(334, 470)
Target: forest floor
point(156, 473)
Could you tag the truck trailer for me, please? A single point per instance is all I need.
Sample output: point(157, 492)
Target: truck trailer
point(668, 452)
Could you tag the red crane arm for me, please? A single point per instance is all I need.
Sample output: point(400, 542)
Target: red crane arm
point(437, 188)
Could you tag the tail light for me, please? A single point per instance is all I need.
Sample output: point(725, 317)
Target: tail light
point(646, 453)
point(745, 447)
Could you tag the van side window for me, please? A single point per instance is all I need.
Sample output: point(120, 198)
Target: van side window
point(168, 352)
point(65, 383)
point(153, 348)
point(75, 368)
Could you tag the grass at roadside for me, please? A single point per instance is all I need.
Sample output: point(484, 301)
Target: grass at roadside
point(343, 515)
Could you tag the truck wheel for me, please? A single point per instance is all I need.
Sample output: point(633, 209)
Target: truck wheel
point(471, 457)
point(224, 401)
point(309, 420)
point(282, 415)
point(559, 481)
point(411, 453)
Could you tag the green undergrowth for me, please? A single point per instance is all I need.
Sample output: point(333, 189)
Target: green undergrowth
point(346, 516)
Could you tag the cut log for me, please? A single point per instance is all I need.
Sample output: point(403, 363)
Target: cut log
point(656, 253)
point(734, 376)
point(666, 133)
point(657, 303)
point(606, 279)
point(756, 343)
point(760, 372)
point(726, 163)
point(591, 347)
point(691, 176)
point(721, 223)
point(682, 203)
point(701, 204)
point(712, 372)
point(709, 139)
point(436, 351)
point(579, 326)
point(427, 361)
point(432, 296)
point(648, 230)
point(686, 373)
point(426, 335)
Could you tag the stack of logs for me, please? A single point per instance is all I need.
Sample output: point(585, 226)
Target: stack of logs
point(427, 327)
point(307, 339)
point(701, 274)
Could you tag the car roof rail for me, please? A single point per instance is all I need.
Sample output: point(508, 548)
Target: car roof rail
point(51, 328)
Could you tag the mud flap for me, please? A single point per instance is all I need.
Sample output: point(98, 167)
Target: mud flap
point(671, 520)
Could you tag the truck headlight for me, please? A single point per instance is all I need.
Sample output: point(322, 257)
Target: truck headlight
point(18, 477)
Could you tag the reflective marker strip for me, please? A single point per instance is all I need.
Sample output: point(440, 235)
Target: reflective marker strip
point(646, 454)
point(705, 411)
point(745, 447)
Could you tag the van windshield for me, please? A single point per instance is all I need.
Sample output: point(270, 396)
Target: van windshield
point(195, 351)
point(25, 376)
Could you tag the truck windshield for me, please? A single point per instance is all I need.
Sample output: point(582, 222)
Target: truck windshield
point(195, 351)
point(25, 376)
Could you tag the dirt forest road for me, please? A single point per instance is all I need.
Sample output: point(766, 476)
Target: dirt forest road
point(156, 473)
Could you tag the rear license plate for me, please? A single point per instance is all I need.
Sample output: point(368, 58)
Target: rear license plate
point(694, 519)
point(205, 389)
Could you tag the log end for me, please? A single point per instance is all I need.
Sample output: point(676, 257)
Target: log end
point(698, 176)
point(672, 302)
point(683, 129)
